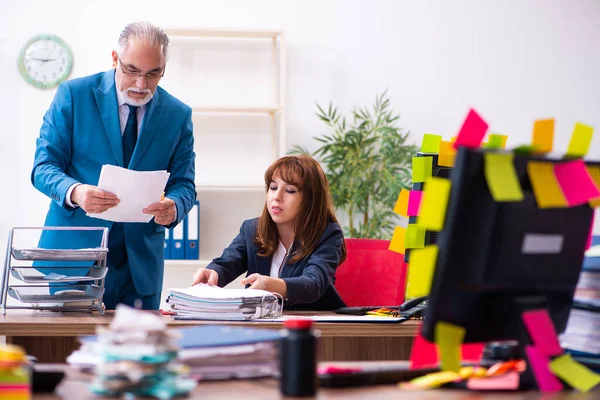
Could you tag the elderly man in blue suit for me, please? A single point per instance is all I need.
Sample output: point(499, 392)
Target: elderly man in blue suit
point(119, 117)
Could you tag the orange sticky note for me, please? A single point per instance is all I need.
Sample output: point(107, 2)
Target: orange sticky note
point(397, 242)
point(543, 135)
point(575, 374)
point(501, 177)
point(546, 189)
point(446, 155)
point(434, 203)
point(420, 273)
point(422, 168)
point(431, 143)
point(595, 175)
point(449, 338)
point(401, 206)
point(414, 237)
point(580, 140)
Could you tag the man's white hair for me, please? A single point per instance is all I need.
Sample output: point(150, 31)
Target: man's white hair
point(147, 32)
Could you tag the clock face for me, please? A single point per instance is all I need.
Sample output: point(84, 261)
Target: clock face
point(45, 61)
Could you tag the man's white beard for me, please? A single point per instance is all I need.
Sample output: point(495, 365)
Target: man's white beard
point(137, 102)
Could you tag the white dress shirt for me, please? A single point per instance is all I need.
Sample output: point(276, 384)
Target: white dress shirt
point(278, 260)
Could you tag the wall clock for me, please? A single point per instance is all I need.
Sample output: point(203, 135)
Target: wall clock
point(45, 61)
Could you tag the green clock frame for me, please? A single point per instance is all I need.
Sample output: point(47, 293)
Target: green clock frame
point(51, 83)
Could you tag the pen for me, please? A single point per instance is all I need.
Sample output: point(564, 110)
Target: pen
point(162, 196)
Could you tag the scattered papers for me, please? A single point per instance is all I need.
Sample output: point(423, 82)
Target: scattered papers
point(135, 189)
point(434, 203)
point(421, 270)
point(208, 302)
point(501, 177)
point(422, 168)
point(472, 132)
point(543, 135)
point(580, 140)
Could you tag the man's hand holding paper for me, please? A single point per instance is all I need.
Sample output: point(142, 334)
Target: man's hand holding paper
point(136, 191)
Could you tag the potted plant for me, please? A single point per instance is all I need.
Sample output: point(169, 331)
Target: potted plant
point(367, 159)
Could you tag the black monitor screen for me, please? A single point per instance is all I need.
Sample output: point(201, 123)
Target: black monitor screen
point(493, 253)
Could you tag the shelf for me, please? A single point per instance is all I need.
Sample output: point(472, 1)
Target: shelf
point(236, 109)
point(223, 33)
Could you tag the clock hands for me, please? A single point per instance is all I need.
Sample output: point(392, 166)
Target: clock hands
point(44, 60)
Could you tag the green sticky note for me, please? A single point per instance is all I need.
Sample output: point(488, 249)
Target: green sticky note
point(449, 338)
point(525, 149)
point(420, 271)
point(431, 143)
point(496, 141)
point(422, 168)
point(575, 374)
point(501, 177)
point(580, 140)
point(415, 236)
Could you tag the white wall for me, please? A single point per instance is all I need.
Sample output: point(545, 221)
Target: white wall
point(513, 60)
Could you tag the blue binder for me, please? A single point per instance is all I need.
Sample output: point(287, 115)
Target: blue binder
point(192, 233)
point(167, 244)
point(177, 242)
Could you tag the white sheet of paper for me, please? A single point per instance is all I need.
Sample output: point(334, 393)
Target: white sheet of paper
point(135, 190)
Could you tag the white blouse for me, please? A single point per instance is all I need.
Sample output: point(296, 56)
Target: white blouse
point(278, 260)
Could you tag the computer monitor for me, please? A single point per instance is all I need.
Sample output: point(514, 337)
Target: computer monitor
point(487, 269)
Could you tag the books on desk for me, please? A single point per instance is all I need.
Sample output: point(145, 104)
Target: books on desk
point(206, 302)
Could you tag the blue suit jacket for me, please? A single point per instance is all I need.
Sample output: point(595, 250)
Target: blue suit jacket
point(80, 133)
point(309, 281)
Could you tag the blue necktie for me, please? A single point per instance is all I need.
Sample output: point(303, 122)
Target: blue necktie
point(130, 135)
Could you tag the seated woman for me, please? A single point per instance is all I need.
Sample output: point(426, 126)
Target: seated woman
point(296, 245)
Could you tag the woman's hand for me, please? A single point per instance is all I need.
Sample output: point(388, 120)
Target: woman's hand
point(263, 282)
point(204, 275)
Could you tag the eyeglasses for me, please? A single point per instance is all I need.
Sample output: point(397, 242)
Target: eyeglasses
point(128, 70)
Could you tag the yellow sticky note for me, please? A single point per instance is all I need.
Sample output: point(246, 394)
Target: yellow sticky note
point(501, 177)
point(449, 338)
point(397, 242)
point(446, 155)
point(580, 140)
point(496, 141)
point(401, 206)
point(434, 203)
point(546, 189)
point(420, 271)
point(575, 374)
point(421, 168)
point(543, 135)
point(595, 174)
point(415, 237)
point(431, 143)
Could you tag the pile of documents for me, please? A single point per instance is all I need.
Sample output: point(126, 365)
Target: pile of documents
point(209, 302)
point(214, 352)
point(136, 357)
point(582, 336)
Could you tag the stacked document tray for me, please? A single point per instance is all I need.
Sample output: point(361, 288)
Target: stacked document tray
point(81, 290)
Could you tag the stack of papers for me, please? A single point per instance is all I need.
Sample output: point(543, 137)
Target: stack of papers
point(135, 356)
point(208, 302)
point(215, 352)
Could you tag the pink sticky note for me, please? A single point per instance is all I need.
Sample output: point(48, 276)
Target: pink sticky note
point(508, 381)
point(414, 201)
point(542, 332)
point(576, 183)
point(472, 352)
point(472, 132)
point(589, 241)
point(423, 353)
point(545, 379)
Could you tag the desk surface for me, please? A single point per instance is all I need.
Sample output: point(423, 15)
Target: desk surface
point(49, 323)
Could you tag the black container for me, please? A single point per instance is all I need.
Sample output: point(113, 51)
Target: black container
point(298, 358)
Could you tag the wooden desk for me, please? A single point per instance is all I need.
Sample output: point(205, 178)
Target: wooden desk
point(52, 336)
point(74, 388)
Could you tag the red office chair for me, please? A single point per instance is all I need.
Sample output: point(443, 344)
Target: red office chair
point(372, 275)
